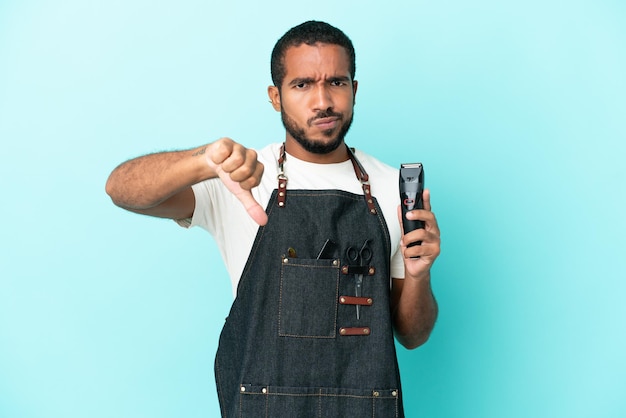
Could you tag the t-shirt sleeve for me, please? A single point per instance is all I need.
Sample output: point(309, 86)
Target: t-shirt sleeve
point(397, 265)
point(185, 222)
point(205, 194)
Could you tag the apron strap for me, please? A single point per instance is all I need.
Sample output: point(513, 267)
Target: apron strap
point(282, 178)
point(360, 172)
point(364, 179)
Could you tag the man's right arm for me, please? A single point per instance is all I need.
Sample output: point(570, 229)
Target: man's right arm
point(160, 184)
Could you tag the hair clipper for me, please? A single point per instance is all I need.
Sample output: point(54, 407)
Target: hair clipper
point(411, 188)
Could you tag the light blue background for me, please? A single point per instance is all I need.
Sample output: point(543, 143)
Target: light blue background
point(517, 110)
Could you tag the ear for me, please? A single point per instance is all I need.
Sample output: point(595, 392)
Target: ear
point(274, 95)
point(355, 85)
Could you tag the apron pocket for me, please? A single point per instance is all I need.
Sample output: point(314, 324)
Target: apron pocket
point(278, 402)
point(309, 291)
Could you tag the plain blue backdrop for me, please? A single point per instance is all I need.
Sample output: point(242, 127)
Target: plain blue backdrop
point(517, 110)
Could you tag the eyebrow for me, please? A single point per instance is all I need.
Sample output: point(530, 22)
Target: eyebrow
point(308, 80)
point(302, 80)
point(340, 78)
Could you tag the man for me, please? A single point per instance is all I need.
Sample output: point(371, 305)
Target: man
point(327, 277)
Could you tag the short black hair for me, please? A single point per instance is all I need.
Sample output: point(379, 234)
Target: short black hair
point(310, 33)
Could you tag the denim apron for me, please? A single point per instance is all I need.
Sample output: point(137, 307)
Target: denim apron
point(292, 345)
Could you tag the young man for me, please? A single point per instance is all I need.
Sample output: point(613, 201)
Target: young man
point(322, 273)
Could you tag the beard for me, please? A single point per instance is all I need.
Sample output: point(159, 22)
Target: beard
point(315, 146)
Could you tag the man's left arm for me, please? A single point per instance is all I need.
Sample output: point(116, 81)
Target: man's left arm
point(413, 305)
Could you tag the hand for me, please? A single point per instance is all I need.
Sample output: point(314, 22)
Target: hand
point(429, 250)
point(240, 171)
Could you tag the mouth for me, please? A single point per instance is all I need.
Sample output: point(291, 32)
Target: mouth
point(326, 124)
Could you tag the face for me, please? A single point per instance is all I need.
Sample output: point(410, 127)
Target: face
point(316, 98)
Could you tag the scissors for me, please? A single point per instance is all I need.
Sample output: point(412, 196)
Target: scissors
point(362, 258)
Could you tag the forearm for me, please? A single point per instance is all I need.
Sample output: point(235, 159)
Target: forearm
point(146, 181)
point(414, 310)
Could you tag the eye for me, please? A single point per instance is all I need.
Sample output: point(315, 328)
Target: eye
point(337, 83)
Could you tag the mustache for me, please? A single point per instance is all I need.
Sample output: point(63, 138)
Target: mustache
point(325, 114)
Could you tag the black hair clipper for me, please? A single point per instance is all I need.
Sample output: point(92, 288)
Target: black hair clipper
point(411, 189)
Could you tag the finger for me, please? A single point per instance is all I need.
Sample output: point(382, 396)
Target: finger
point(253, 180)
point(418, 235)
point(424, 236)
point(430, 247)
point(427, 216)
point(254, 209)
point(241, 168)
point(426, 199)
point(221, 150)
point(429, 219)
point(239, 159)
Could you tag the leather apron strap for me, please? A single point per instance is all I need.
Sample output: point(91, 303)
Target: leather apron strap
point(360, 172)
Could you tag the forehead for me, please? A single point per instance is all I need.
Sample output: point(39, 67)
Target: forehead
point(319, 60)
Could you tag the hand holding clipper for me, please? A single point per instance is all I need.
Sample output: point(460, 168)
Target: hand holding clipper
point(411, 189)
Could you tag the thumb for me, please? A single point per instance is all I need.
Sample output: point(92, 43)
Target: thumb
point(254, 209)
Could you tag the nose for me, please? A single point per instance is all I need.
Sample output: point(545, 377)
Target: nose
point(323, 98)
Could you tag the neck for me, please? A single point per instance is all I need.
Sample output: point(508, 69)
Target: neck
point(294, 148)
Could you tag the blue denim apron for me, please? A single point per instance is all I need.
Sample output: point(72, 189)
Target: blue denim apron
point(292, 345)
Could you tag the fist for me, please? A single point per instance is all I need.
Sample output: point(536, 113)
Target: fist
point(239, 169)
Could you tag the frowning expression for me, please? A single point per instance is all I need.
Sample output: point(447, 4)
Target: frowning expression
point(316, 99)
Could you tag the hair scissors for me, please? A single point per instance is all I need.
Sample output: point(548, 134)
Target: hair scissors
point(361, 257)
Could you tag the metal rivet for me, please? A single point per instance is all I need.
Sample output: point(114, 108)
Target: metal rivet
point(282, 185)
point(243, 389)
point(371, 271)
point(335, 262)
point(373, 211)
point(376, 393)
point(285, 260)
point(394, 393)
point(370, 201)
point(370, 301)
point(264, 390)
point(281, 204)
point(281, 194)
point(342, 331)
point(366, 331)
point(344, 269)
point(342, 300)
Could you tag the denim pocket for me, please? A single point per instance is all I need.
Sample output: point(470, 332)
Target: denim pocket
point(309, 291)
point(271, 401)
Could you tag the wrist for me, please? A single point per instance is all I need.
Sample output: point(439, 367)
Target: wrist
point(205, 166)
point(420, 276)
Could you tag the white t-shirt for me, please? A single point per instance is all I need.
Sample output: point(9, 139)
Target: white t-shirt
point(220, 213)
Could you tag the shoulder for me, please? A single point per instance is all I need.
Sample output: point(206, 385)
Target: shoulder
point(269, 154)
point(376, 168)
point(383, 180)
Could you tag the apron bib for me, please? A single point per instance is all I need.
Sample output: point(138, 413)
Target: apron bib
point(292, 345)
